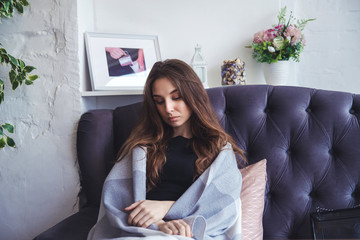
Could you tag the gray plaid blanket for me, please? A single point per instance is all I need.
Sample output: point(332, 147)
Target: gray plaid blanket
point(211, 205)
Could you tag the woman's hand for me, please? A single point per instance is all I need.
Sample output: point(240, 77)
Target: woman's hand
point(175, 227)
point(115, 53)
point(146, 212)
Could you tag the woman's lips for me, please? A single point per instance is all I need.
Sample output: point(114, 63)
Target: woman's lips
point(173, 119)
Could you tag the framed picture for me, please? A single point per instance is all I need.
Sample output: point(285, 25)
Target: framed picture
point(119, 61)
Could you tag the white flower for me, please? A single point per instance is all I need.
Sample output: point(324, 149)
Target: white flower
point(278, 43)
point(271, 49)
point(288, 38)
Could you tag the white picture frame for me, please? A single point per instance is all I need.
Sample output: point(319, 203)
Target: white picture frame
point(120, 61)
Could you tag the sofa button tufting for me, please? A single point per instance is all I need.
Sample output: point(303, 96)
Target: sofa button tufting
point(356, 193)
point(267, 110)
point(352, 111)
point(312, 194)
point(308, 110)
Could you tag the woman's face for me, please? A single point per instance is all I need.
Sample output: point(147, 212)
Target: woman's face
point(171, 107)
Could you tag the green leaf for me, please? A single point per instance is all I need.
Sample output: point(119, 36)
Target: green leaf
point(5, 59)
point(33, 77)
point(12, 76)
point(2, 142)
point(15, 84)
point(13, 60)
point(20, 77)
point(11, 7)
point(19, 7)
point(29, 69)
point(8, 127)
point(2, 58)
point(24, 3)
point(28, 82)
point(10, 141)
point(7, 6)
point(1, 131)
point(1, 97)
point(19, 82)
point(21, 63)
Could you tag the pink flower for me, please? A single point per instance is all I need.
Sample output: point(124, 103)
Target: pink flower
point(259, 36)
point(294, 33)
point(303, 41)
point(279, 28)
point(270, 34)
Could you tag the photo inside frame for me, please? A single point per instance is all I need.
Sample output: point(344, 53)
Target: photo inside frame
point(120, 62)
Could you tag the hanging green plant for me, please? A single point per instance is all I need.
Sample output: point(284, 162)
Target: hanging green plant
point(4, 138)
point(19, 72)
point(7, 7)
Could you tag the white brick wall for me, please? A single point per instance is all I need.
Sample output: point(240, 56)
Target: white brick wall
point(331, 57)
point(39, 180)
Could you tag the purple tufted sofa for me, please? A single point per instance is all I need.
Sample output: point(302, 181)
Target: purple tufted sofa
point(310, 137)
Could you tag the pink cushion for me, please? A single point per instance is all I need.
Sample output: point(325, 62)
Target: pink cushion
point(252, 200)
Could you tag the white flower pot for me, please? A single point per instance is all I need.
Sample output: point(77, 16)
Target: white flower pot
point(276, 73)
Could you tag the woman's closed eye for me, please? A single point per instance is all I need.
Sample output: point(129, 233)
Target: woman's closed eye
point(175, 98)
point(158, 101)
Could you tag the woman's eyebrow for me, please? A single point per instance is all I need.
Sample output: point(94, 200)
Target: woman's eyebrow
point(172, 92)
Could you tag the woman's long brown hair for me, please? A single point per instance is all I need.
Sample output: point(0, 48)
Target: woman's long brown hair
point(153, 133)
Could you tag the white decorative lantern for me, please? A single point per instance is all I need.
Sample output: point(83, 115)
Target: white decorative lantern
point(199, 65)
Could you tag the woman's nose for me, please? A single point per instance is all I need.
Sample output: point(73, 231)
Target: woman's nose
point(169, 106)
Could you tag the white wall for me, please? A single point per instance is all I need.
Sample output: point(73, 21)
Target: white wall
point(222, 28)
point(39, 181)
point(330, 59)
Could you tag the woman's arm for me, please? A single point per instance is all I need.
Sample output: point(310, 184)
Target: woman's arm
point(146, 212)
point(140, 60)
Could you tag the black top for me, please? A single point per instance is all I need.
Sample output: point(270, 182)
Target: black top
point(178, 172)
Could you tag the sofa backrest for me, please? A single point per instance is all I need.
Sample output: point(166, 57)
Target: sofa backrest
point(310, 138)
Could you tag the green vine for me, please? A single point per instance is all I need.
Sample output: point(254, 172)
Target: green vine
point(7, 7)
point(19, 72)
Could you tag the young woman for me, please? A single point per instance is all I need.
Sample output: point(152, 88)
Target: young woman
point(185, 182)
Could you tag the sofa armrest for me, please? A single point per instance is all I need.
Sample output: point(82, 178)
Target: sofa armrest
point(75, 227)
point(95, 152)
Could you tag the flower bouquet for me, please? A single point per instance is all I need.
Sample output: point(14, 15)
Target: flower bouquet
point(283, 42)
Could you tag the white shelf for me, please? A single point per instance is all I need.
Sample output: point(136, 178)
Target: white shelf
point(110, 93)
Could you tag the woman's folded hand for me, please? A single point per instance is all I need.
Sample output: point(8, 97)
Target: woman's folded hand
point(175, 227)
point(146, 212)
